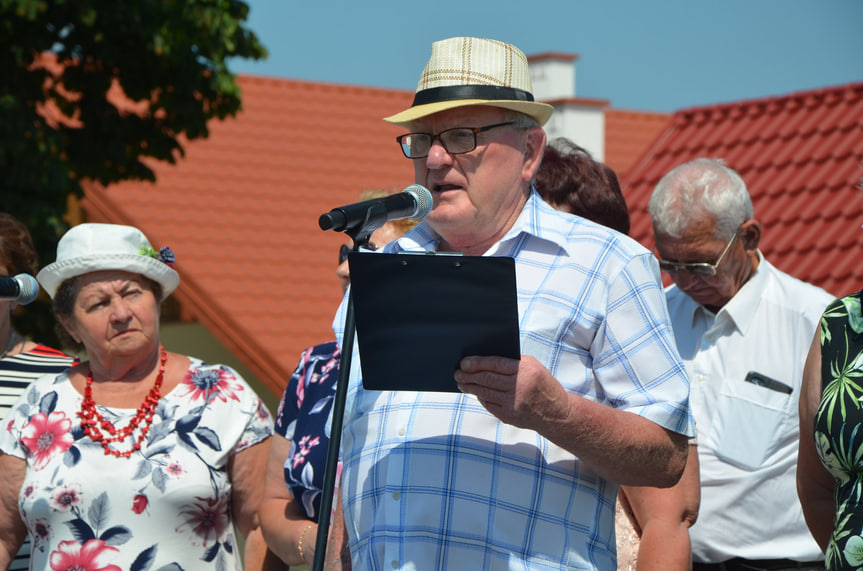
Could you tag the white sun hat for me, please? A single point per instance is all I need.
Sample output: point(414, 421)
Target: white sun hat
point(473, 71)
point(95, 247)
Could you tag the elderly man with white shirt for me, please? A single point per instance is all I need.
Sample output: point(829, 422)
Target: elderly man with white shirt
point(742, 328)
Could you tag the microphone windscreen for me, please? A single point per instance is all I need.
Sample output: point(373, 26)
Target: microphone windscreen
point(28, 288)
point(423, 198)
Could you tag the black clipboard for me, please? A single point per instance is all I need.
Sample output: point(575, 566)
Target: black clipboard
point(418, 315)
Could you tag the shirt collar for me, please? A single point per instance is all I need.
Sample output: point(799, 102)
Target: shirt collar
point(741, 308)
point(536, 219)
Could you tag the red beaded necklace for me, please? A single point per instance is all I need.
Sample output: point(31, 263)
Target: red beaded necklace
point(92, 421)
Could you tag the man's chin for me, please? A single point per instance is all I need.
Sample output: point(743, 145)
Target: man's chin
point(443, 216)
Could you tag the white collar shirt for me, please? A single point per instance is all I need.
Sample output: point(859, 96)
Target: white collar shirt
point(748, 429)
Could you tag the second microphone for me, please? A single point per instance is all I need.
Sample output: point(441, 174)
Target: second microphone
point(22, 289)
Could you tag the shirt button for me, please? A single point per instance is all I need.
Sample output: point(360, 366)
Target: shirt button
point(397, 495)
point(395, 564)
point(402, 432)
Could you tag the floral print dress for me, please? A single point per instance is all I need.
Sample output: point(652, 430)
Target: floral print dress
point(839, 426)
point(166, 507)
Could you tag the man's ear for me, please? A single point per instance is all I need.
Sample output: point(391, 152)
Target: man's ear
point(534, 144)
point(750, 235)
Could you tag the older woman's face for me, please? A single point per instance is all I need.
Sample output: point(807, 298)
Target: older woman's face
point(115, 313)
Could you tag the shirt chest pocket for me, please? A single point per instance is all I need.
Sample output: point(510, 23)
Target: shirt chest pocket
point(748, 423)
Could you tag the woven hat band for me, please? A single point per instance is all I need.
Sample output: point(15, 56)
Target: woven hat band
point(457, 92)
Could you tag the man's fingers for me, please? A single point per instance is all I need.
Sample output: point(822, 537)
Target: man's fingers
point(501, 365)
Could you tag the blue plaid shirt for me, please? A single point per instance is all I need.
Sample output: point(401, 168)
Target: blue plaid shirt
point(433, 481)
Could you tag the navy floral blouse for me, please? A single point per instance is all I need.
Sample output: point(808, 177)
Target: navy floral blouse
point(303, 418)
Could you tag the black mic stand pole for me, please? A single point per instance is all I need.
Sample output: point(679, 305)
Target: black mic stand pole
point(375, 218)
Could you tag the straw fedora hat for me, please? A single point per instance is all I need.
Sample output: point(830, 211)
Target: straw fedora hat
point(95, 247)
point(473, 71)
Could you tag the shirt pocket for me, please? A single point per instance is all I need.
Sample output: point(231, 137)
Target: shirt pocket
point(748, 423)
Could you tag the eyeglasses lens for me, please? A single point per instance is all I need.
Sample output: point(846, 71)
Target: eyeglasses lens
point(700, 270)
point(456, 141)
point(343, 254)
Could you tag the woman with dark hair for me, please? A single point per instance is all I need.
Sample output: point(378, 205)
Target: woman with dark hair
point(295, 475)
point(21, 360)
point(570, 180)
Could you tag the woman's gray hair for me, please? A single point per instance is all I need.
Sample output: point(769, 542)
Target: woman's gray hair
point(699, 187)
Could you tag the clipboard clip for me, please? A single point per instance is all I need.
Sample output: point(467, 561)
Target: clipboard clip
point(431, 253)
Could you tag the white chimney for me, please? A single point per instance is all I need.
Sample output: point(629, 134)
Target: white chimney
point(552, 75)
point(580, 120)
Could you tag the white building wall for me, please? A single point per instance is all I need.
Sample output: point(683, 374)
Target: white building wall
point(584, 125)
point(553, 79)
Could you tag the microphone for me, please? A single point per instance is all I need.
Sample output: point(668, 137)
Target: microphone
point(21, 289)
point(413, 202)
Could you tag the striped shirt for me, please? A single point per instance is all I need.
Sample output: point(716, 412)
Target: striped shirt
point(16, 374)
point(433, 481)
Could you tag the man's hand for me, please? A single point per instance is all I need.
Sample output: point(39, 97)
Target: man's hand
point(522, 392)
point(619, 446)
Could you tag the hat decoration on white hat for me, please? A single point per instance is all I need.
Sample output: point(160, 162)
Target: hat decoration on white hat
point(93, 247)
point(473, 71)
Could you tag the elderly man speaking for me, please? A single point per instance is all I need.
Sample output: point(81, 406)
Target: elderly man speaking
point(521, 469)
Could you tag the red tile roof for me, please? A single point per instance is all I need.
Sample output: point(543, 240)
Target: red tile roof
point(240, 210)
point(800, 156)
point(627, 135)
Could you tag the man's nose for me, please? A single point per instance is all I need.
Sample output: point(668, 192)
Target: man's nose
point(438, 156)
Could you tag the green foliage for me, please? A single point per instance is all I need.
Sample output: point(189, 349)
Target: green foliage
point(170, 56)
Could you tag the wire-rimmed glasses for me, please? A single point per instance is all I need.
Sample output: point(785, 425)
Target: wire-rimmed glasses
point(700, 269)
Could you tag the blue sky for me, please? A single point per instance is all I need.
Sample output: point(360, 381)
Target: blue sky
point(654, 55)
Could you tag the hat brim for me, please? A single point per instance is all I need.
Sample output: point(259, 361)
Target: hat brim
point(539, 111)
point(53, 275)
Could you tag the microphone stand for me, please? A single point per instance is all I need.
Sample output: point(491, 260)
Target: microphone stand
point(360, 233)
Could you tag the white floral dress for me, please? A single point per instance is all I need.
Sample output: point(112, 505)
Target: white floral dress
point(166, 507)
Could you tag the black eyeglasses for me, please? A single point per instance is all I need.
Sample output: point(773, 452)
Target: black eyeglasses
point(455, 141)
point(700, 269)
point(343, 253)
point(345, 250)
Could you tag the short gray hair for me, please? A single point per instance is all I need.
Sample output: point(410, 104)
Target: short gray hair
point(691, 190)
point(520, 120)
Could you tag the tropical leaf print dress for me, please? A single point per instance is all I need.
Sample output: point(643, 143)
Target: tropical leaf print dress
point(166, 507)
point(839, 426)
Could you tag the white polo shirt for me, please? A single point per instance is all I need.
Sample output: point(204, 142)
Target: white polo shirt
point(748, 430)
